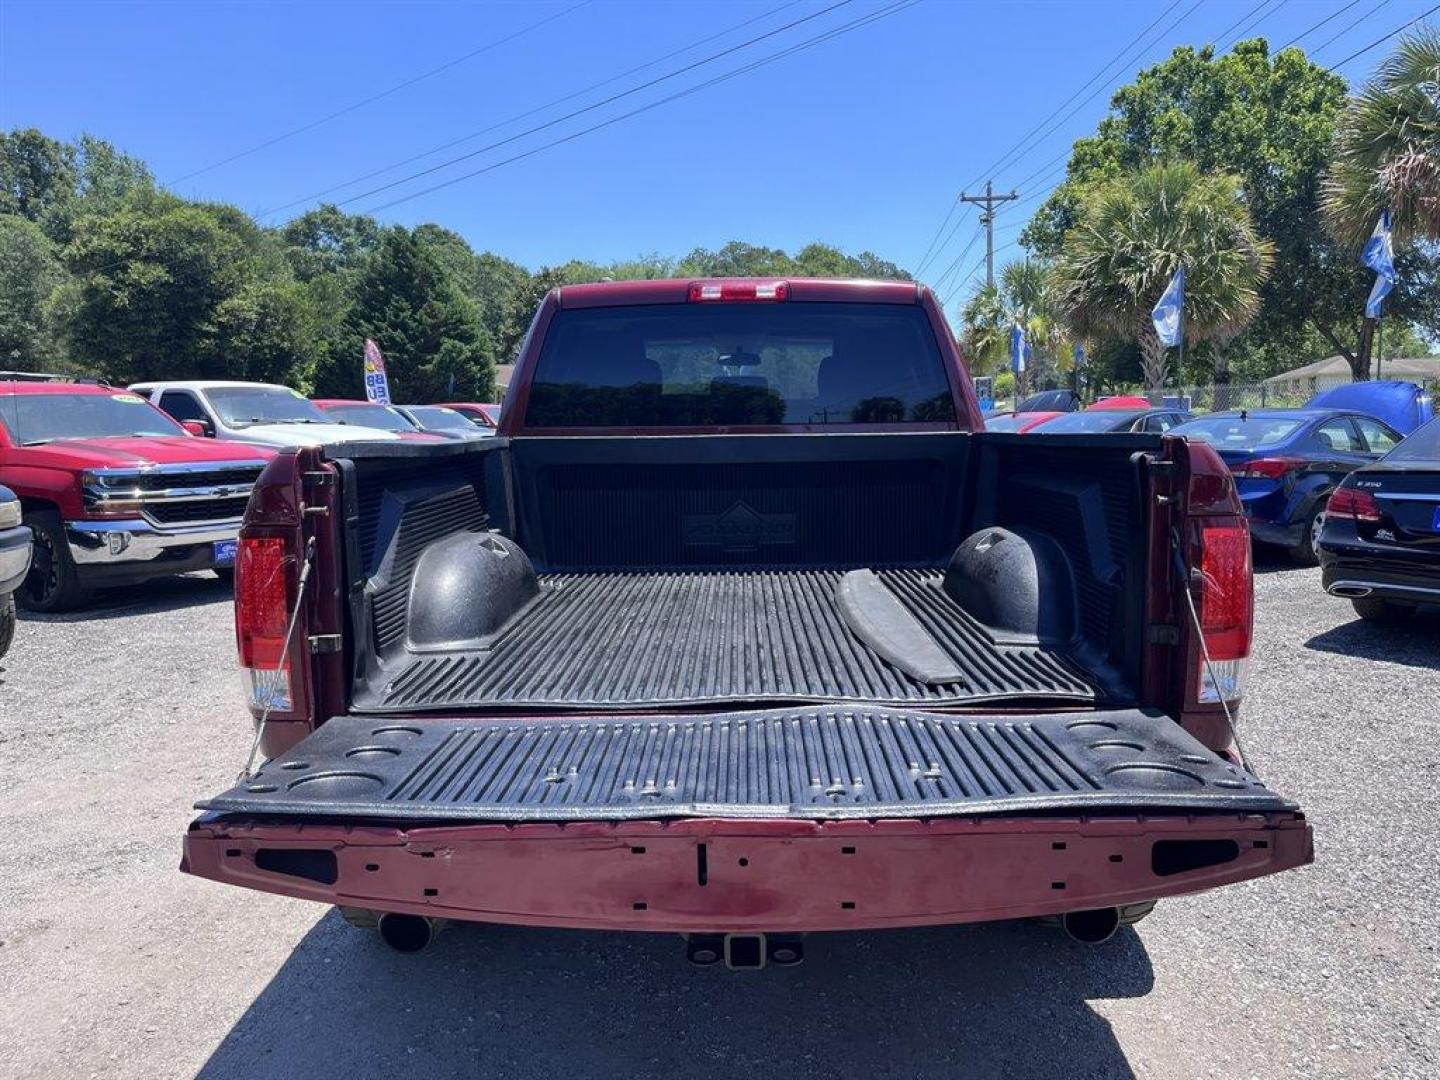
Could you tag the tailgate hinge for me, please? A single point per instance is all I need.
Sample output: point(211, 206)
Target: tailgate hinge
point(326, 643)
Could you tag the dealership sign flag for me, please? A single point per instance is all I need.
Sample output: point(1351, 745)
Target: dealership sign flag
point(377, 387)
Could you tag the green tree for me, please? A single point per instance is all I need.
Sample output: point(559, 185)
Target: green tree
point(1134, 232)
point(1269, 121)
point(30, 271)
point(327, 240)
point(37, 174)
point(165, 287)
point(428, 329)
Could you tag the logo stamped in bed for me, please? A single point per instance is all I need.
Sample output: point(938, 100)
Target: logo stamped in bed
point(740, 527)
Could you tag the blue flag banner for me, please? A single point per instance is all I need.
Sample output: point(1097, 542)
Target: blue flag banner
point(1019, 349)
point(1379, 255)
point(1168, 315)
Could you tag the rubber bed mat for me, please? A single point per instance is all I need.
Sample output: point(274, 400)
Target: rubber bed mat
point(620, 639)
point(823, 764)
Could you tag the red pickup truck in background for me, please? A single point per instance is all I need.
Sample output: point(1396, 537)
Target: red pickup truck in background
point(114, 491)
point(743, 627)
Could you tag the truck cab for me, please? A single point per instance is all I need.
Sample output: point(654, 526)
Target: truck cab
point(263, 414)
point(115, 492)
point(743, 627)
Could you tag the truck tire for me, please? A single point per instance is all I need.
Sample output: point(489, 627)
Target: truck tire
point(53, 583)
point(7, 622)
point(1306, 553)
point(1373, 609)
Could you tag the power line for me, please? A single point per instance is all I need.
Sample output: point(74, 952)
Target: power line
point(529, 112)
point(382, 94)
point(1387, 37)
point(844, 28)
point(1102, 88)
point(1351, 26)
point(1256, 16)
point(1328, 18)
point(925, 259)
point(955, 262)
point(596, 105)
point(1006, 158)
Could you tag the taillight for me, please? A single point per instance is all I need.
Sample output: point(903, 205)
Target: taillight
point(1226, 606)
point(1353, 503)
point(265, 583)
point(1269, 468)
point(728, 291)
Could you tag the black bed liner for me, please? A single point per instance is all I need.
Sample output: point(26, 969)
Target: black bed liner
point(626, 639)
point(810, 764)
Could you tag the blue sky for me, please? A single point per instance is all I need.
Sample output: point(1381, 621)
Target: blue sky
point(861, 140)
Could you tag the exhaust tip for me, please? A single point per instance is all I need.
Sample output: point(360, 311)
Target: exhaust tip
point(1091, 927)
point(1351, 592)
point(406, 933)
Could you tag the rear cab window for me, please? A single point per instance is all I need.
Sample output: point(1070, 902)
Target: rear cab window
point(1421, 447)
point(814, 364)
point(1239, 432)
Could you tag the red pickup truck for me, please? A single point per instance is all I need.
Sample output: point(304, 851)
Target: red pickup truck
point(743, 627)
point(114, 491)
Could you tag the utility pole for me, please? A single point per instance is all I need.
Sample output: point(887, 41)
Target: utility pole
point(987, 218)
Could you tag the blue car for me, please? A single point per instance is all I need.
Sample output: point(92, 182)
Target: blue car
point(1286, 462)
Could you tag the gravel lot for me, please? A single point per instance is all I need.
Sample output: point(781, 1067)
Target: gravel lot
point(112, 963)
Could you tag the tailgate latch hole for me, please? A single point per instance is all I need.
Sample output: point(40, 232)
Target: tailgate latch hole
point(1181, 856)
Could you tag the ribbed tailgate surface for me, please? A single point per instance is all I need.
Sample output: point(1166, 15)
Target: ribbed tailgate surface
point(820, 763)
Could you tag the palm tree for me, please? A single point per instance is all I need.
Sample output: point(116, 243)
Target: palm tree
point(1023, 295)
point(1134, 231)
point(1387, 151)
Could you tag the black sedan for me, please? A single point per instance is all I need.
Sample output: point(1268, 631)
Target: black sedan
point(1095, 420)
point(1380, 541)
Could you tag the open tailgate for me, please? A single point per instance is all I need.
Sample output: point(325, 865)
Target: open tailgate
point(827, 763)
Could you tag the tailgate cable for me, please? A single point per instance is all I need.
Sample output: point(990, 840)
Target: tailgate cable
point(1187, 575)
point(248, 771)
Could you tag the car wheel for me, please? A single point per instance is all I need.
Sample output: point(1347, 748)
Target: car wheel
point(1307, 552)
point(1373, 609)
point(7, 622)
point(53, 583)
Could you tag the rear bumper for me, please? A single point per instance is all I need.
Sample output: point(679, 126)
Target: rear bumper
point(133, 546)
point(15, 547)
point(1352, 567)
point(719, 875)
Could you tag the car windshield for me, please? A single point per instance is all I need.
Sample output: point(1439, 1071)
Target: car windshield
point(240, 406)
point(1080, 422)
point(439, 418)
point(1238, 431)
point(42, 417)
point(373, 416)
point(1420, 447)
point(1012, 422)
point(695, 365)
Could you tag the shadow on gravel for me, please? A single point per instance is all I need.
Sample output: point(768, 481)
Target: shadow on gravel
point(146, 598)
point(1414, 642)
point(986, 1001)
point(1270, 560)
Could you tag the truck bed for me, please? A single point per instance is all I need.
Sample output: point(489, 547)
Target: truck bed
point(678, 573)
point(612, 640)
